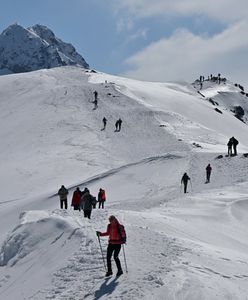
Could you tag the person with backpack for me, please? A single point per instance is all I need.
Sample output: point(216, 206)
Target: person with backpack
point(63, 192)
point(208, 173)
point(117, 237)
point(76, 198)
point(87, 203)
point(235, 144)
point(101, 198)
point(185, 180)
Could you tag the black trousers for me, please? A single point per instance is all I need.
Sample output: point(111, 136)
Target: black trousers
point(76, 207)
point(113, 248)
point(235, 149)
point(87, 213)
point(101, 203)
point(185, 183)
point(63, 202)
point(208, 175)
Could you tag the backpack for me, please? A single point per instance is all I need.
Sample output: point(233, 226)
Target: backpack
point(122, 233)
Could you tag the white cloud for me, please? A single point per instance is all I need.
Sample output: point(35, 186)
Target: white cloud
point(223, 10)
point(186, 56)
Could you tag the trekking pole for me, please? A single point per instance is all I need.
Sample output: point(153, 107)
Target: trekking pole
point(191, 186)
point(102, 253)
point(124, 258)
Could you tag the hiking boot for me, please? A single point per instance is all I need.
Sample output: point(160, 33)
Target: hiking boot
point(119, 273)
point(109, 273)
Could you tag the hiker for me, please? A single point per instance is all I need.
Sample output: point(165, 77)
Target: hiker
point(116, 125)
point(117, 235)
point(76, 198)
point(101, 198)
point(185, 180)
point(229, 147)
point(104, 120)
point(63, 192)
point(95, 95)
point(235, 144)
point(87, 202)
point(208, 173)
point(119, 124)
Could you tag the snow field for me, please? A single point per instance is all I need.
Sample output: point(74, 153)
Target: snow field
point(180, 246)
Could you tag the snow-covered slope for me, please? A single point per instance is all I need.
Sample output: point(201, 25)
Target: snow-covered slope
point(191, 246)
point(34, 48)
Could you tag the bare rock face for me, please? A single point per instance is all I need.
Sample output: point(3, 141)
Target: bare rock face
point(34, 48)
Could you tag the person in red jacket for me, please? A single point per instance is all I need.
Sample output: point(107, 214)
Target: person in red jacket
point(114, 246)
point(75, 202)
point(101, 198)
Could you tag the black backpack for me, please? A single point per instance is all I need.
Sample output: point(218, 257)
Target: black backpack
point(123, 234)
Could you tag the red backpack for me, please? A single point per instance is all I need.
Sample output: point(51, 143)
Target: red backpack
point(103, 196)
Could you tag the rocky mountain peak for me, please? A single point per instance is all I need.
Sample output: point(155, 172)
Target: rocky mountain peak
point(34, 48)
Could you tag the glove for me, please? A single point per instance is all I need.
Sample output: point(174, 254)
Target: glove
point(98, 233)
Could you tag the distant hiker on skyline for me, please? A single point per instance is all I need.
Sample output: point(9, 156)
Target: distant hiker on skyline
point(116, 233)
point(63, 192)
point(104, 120)
point(101, 198)
point(185, 180)
point(235, 144)
point(76, 198)
point(208, 173)
point(229, 147)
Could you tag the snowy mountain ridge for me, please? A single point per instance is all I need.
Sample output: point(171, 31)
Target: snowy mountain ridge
point(34, 48)
point(180, 246)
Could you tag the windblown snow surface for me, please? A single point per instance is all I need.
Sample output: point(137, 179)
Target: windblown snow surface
point(180, 246)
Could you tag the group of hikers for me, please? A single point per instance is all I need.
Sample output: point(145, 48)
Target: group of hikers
point(186, 178)
point(232, 146)
point(117, 124)
point(82, 200)
point(104, 120)
point(116, 231)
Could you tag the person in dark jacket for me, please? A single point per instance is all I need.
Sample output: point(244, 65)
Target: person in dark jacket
point(116, 125)
point(104, 120)
point(235, 144)
point(63, 192)
point(76, 198)
point(229, 147)
point(87, 202)
point(185, 180)
point(114, 246)
point(101, 198)
point(208, 173)
point(119, 124)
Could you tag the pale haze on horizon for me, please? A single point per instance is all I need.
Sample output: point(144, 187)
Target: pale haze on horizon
point(154, 41)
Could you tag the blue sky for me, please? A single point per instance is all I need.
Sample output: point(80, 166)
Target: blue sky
point(157, 40)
